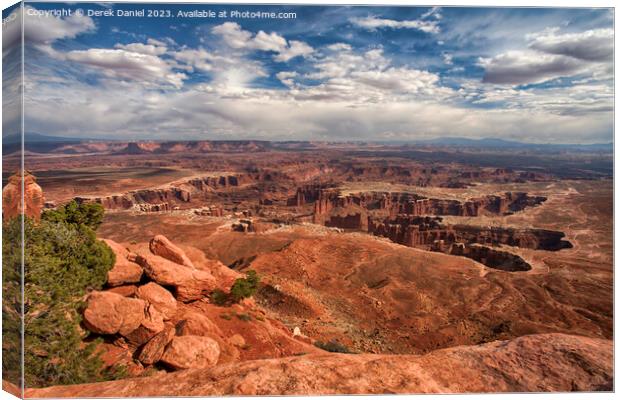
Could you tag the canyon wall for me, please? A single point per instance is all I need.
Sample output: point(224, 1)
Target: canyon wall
point(393, 204)
point(166, 198)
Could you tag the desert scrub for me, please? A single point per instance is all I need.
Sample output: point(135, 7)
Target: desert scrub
point(227, 317)
point(63, 260)
point(333, 347)
point(219, 297)
point(244, 317)
point(245, 287)
point(241, 289)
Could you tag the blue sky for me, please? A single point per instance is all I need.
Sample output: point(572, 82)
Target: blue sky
point(330, 73)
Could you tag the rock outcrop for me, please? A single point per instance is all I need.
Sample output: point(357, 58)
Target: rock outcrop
point(110, 313)
point(161, 246)
point(189, 283)
point(175, 194)
point(33, 200)
point(392, 204)
point(424, 232)
point(165, 320)
point(124, 271)
point(535, 363)
point(185, 352)
point(154, 349)
point(159, 297)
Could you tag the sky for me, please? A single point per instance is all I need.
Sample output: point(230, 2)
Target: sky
point(541, 75)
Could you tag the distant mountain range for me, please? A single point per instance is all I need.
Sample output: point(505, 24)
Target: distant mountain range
point(502, 143)
point(40, 143)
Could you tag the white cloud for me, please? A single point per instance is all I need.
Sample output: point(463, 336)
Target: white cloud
point(196, 58)
point(286, 77)
point(153, 47)
point(275, 115)
point(372, 23)
point(433, 12)
point(41, 28)
point(295, 49)
point(234, 36)
point(123, 64)
point(268, 42)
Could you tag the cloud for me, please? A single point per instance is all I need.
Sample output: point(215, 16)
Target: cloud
point(433, 12)
point(158, 89)
point(124, 64)
point(268, 42)
point(286, 77)
point(295, 49)
point(234, 36)
point(551, 55)
point(372, 23)
point(581, 98)
point(366, 78)
point(196, 58)
point(521, 67)
point(592, 45)
point(195, 114)
point(153, 47)
point(43, 28)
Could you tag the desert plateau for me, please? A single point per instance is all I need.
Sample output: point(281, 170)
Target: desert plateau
point(383, 268)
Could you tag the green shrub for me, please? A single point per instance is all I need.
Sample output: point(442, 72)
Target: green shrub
point(244, 317)
point(219, 297)
point(85, 214)
point(63, 260)
point(332, 346)
point(245, 287)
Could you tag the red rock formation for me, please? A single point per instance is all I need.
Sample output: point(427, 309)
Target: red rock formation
point(160, 298)
point(425, 231)
point(110, 313)
point(305, 194)
point(394, 204)
point(412, 231)
point(153, 350)
point(490, 257)
point(161, 246)
point(185, 352)
point(33, 200)
point(537, 239)
point(353, 220)
point(534, 363)
point(123, 271)
point(189, 283)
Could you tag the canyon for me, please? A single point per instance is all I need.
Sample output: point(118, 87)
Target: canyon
point(412, 259)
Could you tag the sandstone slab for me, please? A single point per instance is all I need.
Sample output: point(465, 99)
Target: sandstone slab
point(534, 363)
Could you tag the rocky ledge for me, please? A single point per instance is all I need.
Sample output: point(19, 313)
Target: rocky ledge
point(535, 363)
